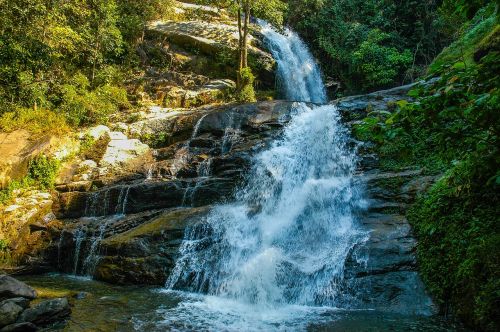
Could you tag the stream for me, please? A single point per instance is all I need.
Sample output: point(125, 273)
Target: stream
point(105, 307)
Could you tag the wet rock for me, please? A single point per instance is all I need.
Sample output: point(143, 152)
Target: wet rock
point(9, 311)
point(12, 288)
point(381, 272)
point(81, 295)
point(20, 301)
point(20, 327)
point(146, 254)
point(46, 312)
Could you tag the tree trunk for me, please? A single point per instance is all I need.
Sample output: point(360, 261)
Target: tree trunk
point(240, 47)
point(246, 27)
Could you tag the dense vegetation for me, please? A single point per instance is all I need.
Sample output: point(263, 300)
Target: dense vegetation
point(371, 44)
point(452, 129)
point(64, 62)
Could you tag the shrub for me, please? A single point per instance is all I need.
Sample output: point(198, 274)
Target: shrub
point(39, 121)
point(7, 193)
point(43, 171)
point(82, 106)
point(246, 93)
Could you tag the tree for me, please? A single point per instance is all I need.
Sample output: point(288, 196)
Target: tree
point(270, 10)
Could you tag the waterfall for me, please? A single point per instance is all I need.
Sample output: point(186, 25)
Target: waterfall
point(298, 75)
point(285, 239)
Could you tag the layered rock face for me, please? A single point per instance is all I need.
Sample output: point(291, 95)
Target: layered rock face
point(382, 273)
point(128, 228)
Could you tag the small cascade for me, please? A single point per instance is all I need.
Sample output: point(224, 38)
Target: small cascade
point(78, 238)
point(59, 250)
point(121, 205)
point(98, 203)
point(149, 173)
point(88, 236)
point(204, 168)
point(228, 140)
point(90, 262)
point(92, 204)
point(196, 129)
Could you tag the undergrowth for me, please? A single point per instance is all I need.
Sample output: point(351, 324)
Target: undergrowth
point(452, 128)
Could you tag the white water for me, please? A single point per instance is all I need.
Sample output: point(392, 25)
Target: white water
point(299, 77)
point(277, 253)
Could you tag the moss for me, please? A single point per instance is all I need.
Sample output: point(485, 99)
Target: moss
point(168, 221)
point(464, 48)
point(393, 184)
point(95, 149)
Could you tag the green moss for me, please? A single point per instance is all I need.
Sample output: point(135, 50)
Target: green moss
point(168, 221)
point(246, 93)
point(463, 49)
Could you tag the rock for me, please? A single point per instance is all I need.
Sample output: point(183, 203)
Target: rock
point(213, 92)
point(20, 327)
point(381, 272)
point(146, 254)
point(18, 149)
point(11, 208)
point(12, 288)
point(46, 312)
point(81, 295)
point(96, 132)
point(9, 311)
point(210, 38)
point(121, 150)
point(20, 301)
point(86, 165)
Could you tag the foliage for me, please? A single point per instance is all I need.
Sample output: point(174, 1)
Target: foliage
point(458, 252)
point(8, 192)
point(464, 47)
point(379, 65)
point(43, 171)
point(368, 45)
point(70, 56)
point(82, 106)
point(246, 94)
point(453, 127)
point(38, 122)
point(4, 245)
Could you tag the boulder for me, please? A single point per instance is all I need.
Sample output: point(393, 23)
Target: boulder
point(96, 132)
point(46, 312)
point(20, 301)
point(18, 148)
point(9, 311)
point(12, 288)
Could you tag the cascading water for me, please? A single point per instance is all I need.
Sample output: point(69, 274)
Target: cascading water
point(299, 77)
point(285, 239)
